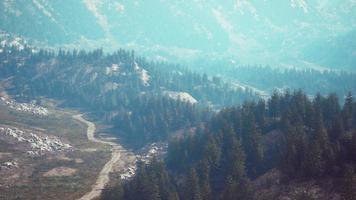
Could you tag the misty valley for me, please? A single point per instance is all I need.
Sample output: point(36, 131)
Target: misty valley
point(177, 100)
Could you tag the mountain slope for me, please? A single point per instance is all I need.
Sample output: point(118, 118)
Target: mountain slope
point(255, 32)
point(290, 147)
point(137, 97)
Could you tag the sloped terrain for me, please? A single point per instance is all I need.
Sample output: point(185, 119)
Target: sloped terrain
point(251, 32)
point(121, 88)
point(46, 157)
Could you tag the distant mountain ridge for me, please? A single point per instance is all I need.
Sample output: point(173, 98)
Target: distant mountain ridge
point(252, 32)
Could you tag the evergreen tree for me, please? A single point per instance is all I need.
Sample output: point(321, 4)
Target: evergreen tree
point(235, 189)
point(337, 129)
point(229, 192)
point(212, 152)
point(353, 146)
point(237, 157)
point(348, 112)
point(288, 163)
point(274, 105)
point(115, 192)
point(252, 142)
point(314, 163)
point(192, 189)
point(348, 191)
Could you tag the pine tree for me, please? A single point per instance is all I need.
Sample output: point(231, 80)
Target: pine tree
point(192, 189)
point(204, 177)
point(321, 137)
point(347, 112)
point(229, 192)
point(235, 189)
point(274, 105)
point(113, 193)
point(353, 146)
point(206, 193)
point(252, 142)
point(348, 191)
point(314, 163)
point(152, 190)
point(173, 196)
point(211, 152)
point(337, 130)
point(237, 157)
point(288, 164)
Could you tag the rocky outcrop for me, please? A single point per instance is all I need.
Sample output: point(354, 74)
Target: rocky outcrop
point(36, 145)
point(25, 107)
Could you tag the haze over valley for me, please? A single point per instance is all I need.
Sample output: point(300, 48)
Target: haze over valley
point(177, 100)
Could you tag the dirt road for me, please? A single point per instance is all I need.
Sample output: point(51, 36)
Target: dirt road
point(103, 177)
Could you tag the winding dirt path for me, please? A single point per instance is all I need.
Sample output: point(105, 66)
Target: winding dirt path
point(103, 177)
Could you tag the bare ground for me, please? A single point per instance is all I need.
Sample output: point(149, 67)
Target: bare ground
point(60, 171)
point(27, 181)
point(103, 176)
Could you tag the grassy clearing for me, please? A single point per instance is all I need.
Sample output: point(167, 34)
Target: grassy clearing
point(28, 180)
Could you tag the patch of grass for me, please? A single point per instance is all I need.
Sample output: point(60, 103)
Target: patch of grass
point(34, 185)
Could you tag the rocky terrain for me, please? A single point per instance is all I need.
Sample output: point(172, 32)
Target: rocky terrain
point(33, 144)
point(31, 108)
point(182, 96)
point(157, 150)
point(8, 165)
point(145, 155)
point(42, 157)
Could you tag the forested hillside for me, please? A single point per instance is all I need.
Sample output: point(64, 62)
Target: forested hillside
point(280, 140)
point(178, 99)
point(302, 140)
point(270, 78)
point(145, 101)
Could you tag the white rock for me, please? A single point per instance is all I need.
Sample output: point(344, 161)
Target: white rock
point(37, 143)
point(143, 74)
point(26, 107)
point(182, 96)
